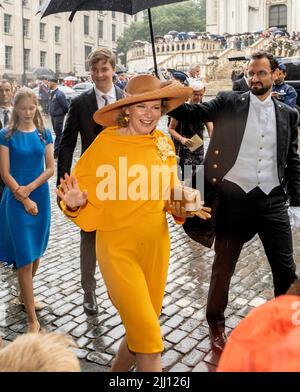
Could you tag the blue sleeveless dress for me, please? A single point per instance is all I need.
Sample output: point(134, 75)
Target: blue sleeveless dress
point(24, 237)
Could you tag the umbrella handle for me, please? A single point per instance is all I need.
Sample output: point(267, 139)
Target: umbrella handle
point(152, 42)
point(71, 17)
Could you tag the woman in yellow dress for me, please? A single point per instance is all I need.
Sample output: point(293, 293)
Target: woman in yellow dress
point(120, 188)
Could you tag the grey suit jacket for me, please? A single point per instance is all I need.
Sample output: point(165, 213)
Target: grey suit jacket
point(240, 85)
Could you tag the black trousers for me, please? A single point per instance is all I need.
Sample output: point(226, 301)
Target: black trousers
point(57, 124)
point(239, 217)
point(88, 260)
point(45, 105)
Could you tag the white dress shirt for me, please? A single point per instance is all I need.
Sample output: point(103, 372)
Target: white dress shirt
point(246, 80)
point(256, 164)
point(110, 95)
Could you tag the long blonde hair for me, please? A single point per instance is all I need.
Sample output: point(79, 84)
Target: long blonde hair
point(38, 121)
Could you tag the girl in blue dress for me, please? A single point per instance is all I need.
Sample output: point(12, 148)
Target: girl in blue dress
point(26, 164)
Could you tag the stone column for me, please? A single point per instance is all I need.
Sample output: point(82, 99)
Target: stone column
point(293, 15)
point(242, 16)
point(223, 17)
point(212, 16)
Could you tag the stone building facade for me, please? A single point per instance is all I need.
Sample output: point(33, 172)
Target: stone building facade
point(240, 16)
point(53, 41)
point(177, 55)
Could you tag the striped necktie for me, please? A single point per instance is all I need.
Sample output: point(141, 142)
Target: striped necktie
point(5, 117)
point(105, 99)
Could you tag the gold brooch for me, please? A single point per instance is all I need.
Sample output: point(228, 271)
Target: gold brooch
point(164, 148)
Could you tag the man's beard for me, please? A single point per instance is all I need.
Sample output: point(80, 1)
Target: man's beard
point(258, 91)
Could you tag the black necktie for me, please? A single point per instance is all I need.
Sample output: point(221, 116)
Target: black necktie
point(5, 117)
point(105, 99)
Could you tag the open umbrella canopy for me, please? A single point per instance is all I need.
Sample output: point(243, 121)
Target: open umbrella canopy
point(43, 72)
point(273, 28)
point(120, 69)
point(130, 7)
point(278, 32)
point(239, 58)
point(70, 79)
point(173, 33)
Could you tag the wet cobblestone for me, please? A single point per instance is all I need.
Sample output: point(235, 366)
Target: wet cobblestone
point(187, 346)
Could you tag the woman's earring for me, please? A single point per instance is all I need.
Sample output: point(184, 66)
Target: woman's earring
point(126, 119)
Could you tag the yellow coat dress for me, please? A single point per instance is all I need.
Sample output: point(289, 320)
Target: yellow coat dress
point(126, 178)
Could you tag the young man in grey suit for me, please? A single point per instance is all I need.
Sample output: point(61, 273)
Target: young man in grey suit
point(251, 170)
point(79, 120)
point(241, 85)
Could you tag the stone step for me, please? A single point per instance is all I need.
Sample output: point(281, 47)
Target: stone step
point(217, 85)
point(214, 89)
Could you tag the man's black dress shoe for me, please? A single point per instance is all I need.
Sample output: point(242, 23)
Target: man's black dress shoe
point(217, 340)
point(90, 303)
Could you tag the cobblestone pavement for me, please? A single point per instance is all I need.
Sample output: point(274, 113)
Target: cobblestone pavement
point(182, 319)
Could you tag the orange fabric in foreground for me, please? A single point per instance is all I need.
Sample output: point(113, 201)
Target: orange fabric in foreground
point(267, 340)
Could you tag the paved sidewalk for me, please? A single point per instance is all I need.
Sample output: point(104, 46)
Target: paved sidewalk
point(183, 322)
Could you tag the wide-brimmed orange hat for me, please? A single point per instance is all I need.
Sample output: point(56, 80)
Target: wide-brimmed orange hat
point(267, 340)
point(143, 88)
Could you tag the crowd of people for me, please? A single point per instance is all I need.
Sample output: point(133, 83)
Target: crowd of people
point(282, 46)
point(251, 169)
point(226, 40)
point(280, 39)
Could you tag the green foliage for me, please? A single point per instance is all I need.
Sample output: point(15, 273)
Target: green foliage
point(185, 16)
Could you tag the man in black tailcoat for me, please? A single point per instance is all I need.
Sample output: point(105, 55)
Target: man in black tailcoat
point(251, 170)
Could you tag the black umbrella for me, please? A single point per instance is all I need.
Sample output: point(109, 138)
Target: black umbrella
point(130, 7)
point(239, 58)
point(120, 69)
point(43, 72)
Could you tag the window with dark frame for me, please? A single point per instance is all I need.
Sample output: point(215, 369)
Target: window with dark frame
point(278, 16)
point(42, 58)
point(86, 22)
point(57, 62)
point(100, 28)
point(42, 31)
point(26, 27)
point(113, 33)
point(7, 23)
point(8, 57)
point(27, 59)
point(57, 34)
point(87, 51)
